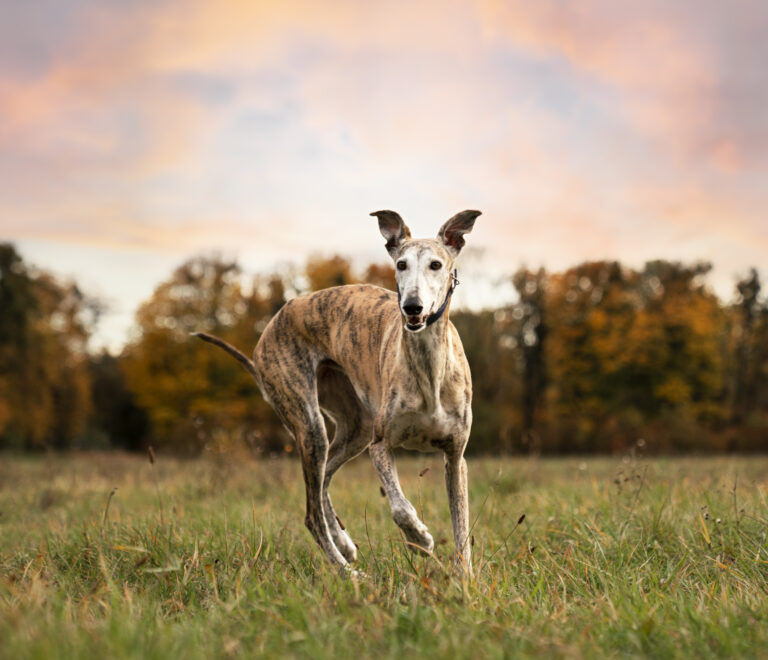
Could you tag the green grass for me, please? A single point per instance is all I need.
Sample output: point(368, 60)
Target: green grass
point(646, 558)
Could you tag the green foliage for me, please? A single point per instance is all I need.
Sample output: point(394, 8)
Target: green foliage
point(643, 558)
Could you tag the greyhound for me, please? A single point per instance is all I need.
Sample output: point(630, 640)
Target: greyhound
point(388, 369)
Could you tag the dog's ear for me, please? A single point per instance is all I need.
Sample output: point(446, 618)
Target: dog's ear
point(452, 232)
point(392, 228)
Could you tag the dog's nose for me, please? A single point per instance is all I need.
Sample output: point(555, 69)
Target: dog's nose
point(412, 308)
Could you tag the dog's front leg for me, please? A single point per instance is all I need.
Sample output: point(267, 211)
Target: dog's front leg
point(416, 534)
point(456, 484)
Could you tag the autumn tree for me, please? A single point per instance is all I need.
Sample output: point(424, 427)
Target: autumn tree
point(530, 312)
point(494, 380)
point(590, 359)
point(748, 365)
point(746, 312)
point(117, 421)
point(45, 325)
point(685, 347)
point(323, 272)
point(589, 311)
point(630, 347)
point(192, 392)
point(382, 275)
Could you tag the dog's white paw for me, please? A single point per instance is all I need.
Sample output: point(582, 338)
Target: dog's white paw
point(349, 572)
point(346, 546)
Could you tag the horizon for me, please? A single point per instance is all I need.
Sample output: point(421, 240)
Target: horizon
point(486, 291)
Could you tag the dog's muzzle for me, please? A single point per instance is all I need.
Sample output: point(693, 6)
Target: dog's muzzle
point(415, 323)
point(415, 319)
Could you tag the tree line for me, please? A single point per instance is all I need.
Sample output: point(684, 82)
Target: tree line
point(599, 358)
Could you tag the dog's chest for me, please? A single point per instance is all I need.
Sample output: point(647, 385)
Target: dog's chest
point(426, 430)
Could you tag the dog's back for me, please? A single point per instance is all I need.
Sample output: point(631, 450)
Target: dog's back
point(353, 326)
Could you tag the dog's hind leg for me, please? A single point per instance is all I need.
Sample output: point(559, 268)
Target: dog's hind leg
point(313, 449)
point(353, 433)
point(292, 391)
point(346, 445)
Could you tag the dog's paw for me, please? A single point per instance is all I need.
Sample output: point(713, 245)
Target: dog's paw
point(418, 538)
point(349, 572)
point(421, 544)
point(346, 546)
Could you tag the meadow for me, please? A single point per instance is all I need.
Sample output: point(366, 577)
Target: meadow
point(109, 555)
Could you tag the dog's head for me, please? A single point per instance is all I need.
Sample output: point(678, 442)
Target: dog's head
point(423, 267)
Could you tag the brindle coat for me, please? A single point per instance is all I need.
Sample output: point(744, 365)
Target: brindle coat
point(351, 353)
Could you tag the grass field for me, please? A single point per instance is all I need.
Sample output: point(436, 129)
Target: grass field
point(109, 556)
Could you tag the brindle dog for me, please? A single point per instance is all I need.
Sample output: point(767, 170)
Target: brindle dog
point(388, 369)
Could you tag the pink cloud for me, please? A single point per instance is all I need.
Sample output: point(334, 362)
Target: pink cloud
point(673, 77)
point(398, 102)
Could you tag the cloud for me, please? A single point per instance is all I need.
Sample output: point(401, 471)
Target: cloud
point(686, 73)
point(582, 130)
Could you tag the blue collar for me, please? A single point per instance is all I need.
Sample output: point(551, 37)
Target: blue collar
point(432, 318)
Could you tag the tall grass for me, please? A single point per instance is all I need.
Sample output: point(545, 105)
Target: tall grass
point(109, 556)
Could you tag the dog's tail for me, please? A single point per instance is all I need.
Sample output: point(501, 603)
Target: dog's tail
point(240, 357)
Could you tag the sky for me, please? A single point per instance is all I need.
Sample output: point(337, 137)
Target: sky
point(134, 135)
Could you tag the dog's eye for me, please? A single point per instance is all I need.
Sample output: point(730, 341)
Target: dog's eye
point(401, 265)
point(435, 265)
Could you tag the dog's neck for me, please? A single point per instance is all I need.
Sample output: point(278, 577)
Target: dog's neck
point(426, 354)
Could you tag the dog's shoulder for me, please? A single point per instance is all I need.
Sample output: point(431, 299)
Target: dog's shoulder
point(342, 299)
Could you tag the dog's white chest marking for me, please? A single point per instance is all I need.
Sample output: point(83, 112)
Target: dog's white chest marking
point(424, 431)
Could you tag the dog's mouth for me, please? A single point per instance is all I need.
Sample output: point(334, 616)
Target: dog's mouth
point(415, 323)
